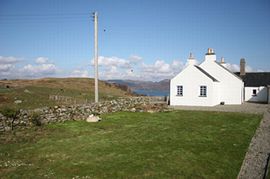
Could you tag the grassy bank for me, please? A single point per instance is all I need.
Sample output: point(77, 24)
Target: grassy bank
point(175, 144)
point(36, 93)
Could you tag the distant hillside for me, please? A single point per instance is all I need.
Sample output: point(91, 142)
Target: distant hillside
point(145, 87)
point(55, 91)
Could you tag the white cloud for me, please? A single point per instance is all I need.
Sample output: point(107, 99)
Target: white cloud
point(38, 70)
point(6, 67)
point(134, 59)
point(236, 68)
point(161, 70)
point(8, 60)
point(112, 61)
point(42, 60)
point(232, 67)
point(133, 68)
point(111, 72)
point(79, 73)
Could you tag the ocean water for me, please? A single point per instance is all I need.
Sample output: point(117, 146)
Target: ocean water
point(152, 92)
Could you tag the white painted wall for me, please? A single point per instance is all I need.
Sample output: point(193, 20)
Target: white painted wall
point(191, 79)
point(230, 87)
point(268, 88)
point(261, 94)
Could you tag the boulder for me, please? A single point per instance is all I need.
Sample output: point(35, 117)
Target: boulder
point(26, 91)
point(93, 118)
point(18, 101)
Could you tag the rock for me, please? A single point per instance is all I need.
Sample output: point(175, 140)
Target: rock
point(18, 101)
point(7, 128)
point(133, 109)
point(93, 118)
point(26, 91)
point(150, 111)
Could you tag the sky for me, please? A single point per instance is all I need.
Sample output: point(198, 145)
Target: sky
point(138, 39)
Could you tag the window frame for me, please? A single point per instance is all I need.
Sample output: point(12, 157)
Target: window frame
point(179, 90)
point(254, 94)
point(203, 91)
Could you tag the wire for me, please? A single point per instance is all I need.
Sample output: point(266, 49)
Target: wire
point(45, 15)
point(36, 18)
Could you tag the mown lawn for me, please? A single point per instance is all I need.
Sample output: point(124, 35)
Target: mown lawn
point(179, 144)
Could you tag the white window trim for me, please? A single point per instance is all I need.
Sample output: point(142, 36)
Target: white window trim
point(180, 91)
point(203, 88)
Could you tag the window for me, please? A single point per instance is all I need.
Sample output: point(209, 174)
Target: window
point(254, 92)
point(179, 91)
point(203, 91)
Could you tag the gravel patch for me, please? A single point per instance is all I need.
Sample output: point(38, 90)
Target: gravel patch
point(243, 108)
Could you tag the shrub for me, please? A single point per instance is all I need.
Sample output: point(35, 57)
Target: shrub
point(35, 119)
point(12, 114)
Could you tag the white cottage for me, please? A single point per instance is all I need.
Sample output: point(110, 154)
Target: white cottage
point(207, 84)
point(257, 84)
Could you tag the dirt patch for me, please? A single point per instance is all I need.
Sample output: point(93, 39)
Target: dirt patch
point(3, 98)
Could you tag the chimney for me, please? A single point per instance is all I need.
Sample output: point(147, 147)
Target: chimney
point(222, 61)
point(191, 60)
point(210, 51)
point(210, 55)
point(242, 67)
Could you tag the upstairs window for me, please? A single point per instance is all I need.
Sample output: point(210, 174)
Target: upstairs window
point(203, 91)
point(179, 91)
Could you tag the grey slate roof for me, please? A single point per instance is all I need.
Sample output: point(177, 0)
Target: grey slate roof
point(207, 74)
point(255, 79)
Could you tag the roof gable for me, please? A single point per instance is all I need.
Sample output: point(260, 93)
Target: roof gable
point(198, 69)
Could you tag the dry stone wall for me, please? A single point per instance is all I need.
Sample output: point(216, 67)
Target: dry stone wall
point(28, 118)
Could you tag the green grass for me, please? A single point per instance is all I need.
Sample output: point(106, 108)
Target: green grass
point(178, 144)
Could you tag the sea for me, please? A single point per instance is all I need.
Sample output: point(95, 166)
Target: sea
point(151, 92)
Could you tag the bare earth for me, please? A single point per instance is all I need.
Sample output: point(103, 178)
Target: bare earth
point(255, 160)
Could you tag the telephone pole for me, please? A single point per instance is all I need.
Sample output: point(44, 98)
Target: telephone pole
point(95, 16)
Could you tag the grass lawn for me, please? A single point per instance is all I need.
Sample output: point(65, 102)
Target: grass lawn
point(178, 144)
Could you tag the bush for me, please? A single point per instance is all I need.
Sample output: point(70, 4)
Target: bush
point(35, 119)
point(12, 114)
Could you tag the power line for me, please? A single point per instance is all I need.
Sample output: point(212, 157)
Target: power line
point(42, 18)
point(16, 18)
point(44, 15)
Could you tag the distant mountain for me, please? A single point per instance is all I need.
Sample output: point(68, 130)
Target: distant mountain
point(150, 88)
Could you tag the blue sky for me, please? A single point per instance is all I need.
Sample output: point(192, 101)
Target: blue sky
point(144, 39)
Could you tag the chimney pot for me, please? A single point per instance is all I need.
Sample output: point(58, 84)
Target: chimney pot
point(210, 51)
point(191, 60)
point(222, 61)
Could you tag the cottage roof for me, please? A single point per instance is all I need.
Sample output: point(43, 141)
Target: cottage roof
point(207, 74)
point(229, 71)
point(255, 79)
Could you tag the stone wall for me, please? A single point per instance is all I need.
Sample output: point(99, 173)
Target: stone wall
point(28, 118)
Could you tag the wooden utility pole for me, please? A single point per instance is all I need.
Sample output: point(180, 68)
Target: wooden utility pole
point(96, 54)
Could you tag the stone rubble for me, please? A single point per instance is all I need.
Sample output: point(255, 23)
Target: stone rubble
point(62, 113)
